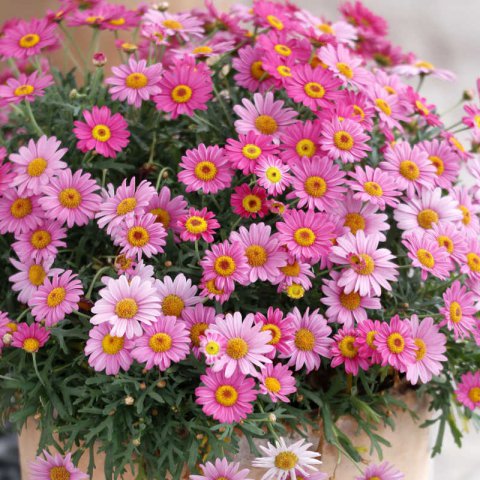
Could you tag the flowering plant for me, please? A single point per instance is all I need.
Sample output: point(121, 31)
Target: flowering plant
point(249, 224)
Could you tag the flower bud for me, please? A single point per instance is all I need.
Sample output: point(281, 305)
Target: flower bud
point(468, 95)
point(129, 47)
point(168, 264)
point(99, 59)
point(162, 6)
point(7, 339)
point(143, 386)
point(129, 400)
point(161, 384)
point(272, 417)
point(73, 94)
point(136, 442)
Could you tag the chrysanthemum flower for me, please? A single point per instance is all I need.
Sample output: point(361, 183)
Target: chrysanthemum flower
point(295, 271)
point(56, 298)
point(395, 343)
point(427, 255)
point(307, 235)
point(365, 341)
point(212, 345)
point(184, 89)
point(249, 202)
point(345, 351)
point(283, 45)
point(346, 308)
point(140, 235)
point(135, 82)
point(41, 243)
point(55, 467)
point(6, 173)
point(36, 163)
point(103, 132)
point(265, 116)
point(126, 305)
point(227, 400)
point(422, 67)
point(126, 200)
point(273, 175)
point(383, 471)
point(176, 295)
point(246, 344)
point(280, 328)
point(452, 239)
point(388, 107)
point(262, 250)
point(25, 87)
point(106, 352)
point(205, 168)
point(430, 350)
point(277, 381)
point(300, 140)
point(370, 267)
point(29, 337)
point(468, 390)
point(197, 320)
point(250, 72)
point(210, 290)
point(69, 198)
point(311, 339)
point(282, 460)
point(198, 224)
point(182, 24)
point(471, 264)
point(469, 211)
point(19, 213)
point(165, 341)
point(221, 469)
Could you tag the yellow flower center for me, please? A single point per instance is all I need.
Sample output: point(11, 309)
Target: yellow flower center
point(256, 255)
point(160, 342)
point(206, 171)
point(275, 22)
point(314, 90)
point(94, 19)
point(456, 312)
point(275, 332)
point(457, 144)
point(272, 384)
point(383, 106)
point(196, 225)
point(196, 331)
point(251, 151)
point(70, 198)
point(371, 338)
point(347, 347)
point(212, 348)
point(36, 275)
point(56, 297)
point(123, 262)
point(282, 50)
point(173, 305)
point(112, 345)
point(257, 71)
point(59, 473)
point(181, 94)
point(409, 170)
point(273, 174)
point(305, 237)
point(12, 327)
point(325, 28)
point(225, 266)
point(284, 71)
point(211, 287)
point(136, 80)
point(466, 214)
point(226, 395)
point(473, 261)
point(29, 40)
point(355, 221)
point(126, 308)
point(286, 460)
point(23, 90)
point(295, 291)
point(306, 148)
point(422, 108)
point(426, 218)
point(101, 133)
point(424, 64)
point(476, 119)
point(315, 186)
point(237, 348)
point(21, 207)
point(343, 140)
point(40, 239)
point(359, 112)
point(373, 189)
point(172, 24)
point(363, 264)
point(425, 258)
point(31, 345)
point(138, 236)
point(438, 163)
point(117, 21)
point(36, 167)
point(444, 241)
point(421, 349)
point(374, 478)
point(251, 203)
point(396, 343)
point(202, 50)
point(351, 301)
point(127, 205)
point(304, 340)
point(474, 394)
point(162, 215)
point(291, 270)
point(266, 124)
point(345, 69)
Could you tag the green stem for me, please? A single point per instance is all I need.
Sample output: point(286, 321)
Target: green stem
point(35, 367)
point(94, 44)
point(222, 104)
point(22, 314)
point(420, 83)
point(197, 253)
point(95, 278)
point(96, 80)
point(269, 424)
point(31, 117)
point(13, 66)
point(74, 45)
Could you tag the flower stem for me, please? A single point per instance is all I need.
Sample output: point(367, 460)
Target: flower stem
point(95, 278)
point(35, 367)
point(31, 117)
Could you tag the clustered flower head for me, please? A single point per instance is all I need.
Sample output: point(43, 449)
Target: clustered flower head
point(302, 195)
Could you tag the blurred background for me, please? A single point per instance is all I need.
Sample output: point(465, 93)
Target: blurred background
point(442, 32)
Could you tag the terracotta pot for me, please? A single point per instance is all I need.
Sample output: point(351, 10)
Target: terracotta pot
point(409, 451)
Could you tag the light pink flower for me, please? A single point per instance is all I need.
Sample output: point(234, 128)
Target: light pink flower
point(25, 87)
point(55, 466)
point(19, 213)
point(468, 390)
point(277, 381)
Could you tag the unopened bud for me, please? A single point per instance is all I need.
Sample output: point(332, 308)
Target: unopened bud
point(112, 412)
point(161, 6)
point(136, 442)
point(73, 94)
point(37, 416)
point(154, 412)
point(161, 384)
point(143, 386)
point(165, 174)
point(129, 400)
point(168, 263)
point(199, 436)
point(300, 397)
point(272, 417)
point(129, 47)
point(468, 94)
point(7, 339)
point(99, 59)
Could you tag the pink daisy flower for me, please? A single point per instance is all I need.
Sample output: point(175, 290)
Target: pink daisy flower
point(273, 175)
point(184, 89)
point(262, 250)
point(205, 168)
point(27, 38)
point(125, 201)
point(430, 350)
point(265, 116)
point(249, 202)
point(248, 151)
point(246, 344)
point(210, 290)
point(471, 264)
point(426, 210)
point(4, 327)
point(395, 344)
point(427, 255)
point(366, 332)
point(197, 320)
point(410, 167)
point(103, 132)
point(55, 467)
point(221, 469)
point(295, 271)
point(383, 471)
point(198, 224)
point(468, 390)
point(459, 310)
point(29, 337)
point(140, 235)
point(126, 305)
point(311, 339)
point(176, 295)
point(375, 186)
point(422, 67)
point(469, 211)
point(314, 87)
point(318, 183)
point(19, 213)
point(106, 352)
point(183, 24)
point(388, 107)
point(36, 163)
point(277, 381)
point(307, 235)
point(212, 345)
point(70, 198)
point(345, 351)
point(135, 82)
point(227, 400)
point(368, 267)
point(301, 140)
point(452, 239)
point(165, 341)
point(250, 72)
point(6, 173)
point(167, 209)
point(56, 298)
point(40, 243)
point(346, 308)
point(25, 87)
point(280, 329)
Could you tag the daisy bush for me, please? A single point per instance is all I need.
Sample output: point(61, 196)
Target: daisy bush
point(245, 224)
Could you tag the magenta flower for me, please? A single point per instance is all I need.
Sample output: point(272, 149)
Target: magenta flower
point(221, 469)
point(345, 351)
point(29, 337)
point(301, 140)
point(249, 202)
point(383, 471)
point(468, 390)
point(198, 224)
point(55, 467)
point(366, 332)
point(19, 213)
point(197, 320)
point(277, 381)
point(447, 235)
point(176, 295)
point(25, 87)
point(250, 72)
point(280, 329)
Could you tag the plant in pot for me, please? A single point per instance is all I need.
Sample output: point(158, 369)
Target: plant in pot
point(237, 250)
